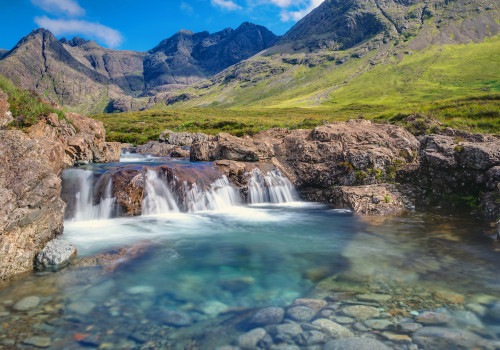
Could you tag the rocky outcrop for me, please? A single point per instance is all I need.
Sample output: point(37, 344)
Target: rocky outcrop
point(183, 138)
point(5, 114)
point(31, 210)
point(159, 149)
point(357, 152)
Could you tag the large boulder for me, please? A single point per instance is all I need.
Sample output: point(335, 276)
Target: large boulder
point(56, 254)
point(183, 138)
point(159, 149)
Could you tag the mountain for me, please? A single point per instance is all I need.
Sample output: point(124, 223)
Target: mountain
point(362, 55)
point(3, 52)
point(86, 77)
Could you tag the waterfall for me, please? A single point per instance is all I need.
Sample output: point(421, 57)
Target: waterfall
point(218, 196)
point(85, 210)
point(158, 198)
point(270, 188)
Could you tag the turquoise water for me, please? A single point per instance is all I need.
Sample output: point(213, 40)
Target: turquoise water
point(217, 266)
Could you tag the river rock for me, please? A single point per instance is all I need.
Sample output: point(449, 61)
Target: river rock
point(315, 304)
point(405, 327)
point(173, 318)
point(81, 307)
point(332, 329)
point(360, 311)
point(158, 149)
point(183, 138)
point(355, 344)
point(268, 316)
point(377, 324)
point(433, 318)
point(300, 313)
point(395, 337)
point(284, 332)
point(237, 284)
point(56, 254)
point(38, 342)
point(309, 338)
point(251, 339)
point(27, 303)
point(378, 298)
point(494, 311)
point(478, 309)
point(447, 338)
point(448, 297)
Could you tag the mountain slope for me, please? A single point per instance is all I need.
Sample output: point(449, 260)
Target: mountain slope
point(443, 54)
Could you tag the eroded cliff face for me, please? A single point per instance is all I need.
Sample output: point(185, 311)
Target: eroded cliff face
point(31, 210)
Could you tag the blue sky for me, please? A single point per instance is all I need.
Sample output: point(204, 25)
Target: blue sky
point(141, 25)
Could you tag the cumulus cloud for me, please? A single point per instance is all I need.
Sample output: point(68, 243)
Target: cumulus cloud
point(67, 7)
point(226, 5)
point(107, 35)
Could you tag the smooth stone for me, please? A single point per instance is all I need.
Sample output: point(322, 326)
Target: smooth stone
point(250, 339)
point(466, 318)
point(409, 327)
point(285, 347)
point(448, 297)
point(135, 290)
point(213, 308)
point(237, 284)
point(315, 304)
point(310, 338)
point(332, 329)
point(284, 332)
point(228, 347)
point(400, 338)
point(355, 344)
point(39, 342)
point(378, 298)
point(266, 342)
point(267, 316)
point(446, 338)
point(173, 318)
point(433, 318)
point(326, 313)
point(377, 324)
point(82, 307)
point(8, 342)
point(4, 314)
point(343, 319)
point(483, 299)
point(27, 303)
point(494, 311)
point(414, 313)
point(360, 311)
point(478, 309)
point(56, 254)
point(358, 326)
point(300, 313)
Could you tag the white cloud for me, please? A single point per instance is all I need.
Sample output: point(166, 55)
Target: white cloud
point(107, 35)
point(304, 8)
point(67, 7)
point(185, 7)
point(226, 5)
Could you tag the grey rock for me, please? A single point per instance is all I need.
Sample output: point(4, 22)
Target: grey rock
point(300, 313)
point(405, 327)
point(38, 342)
point(378, 298)
point(355, 344)
point(310, 338)
point(446, 338)
point(478, 309)
point(27, 303)
point(343, 319)
point(377, 324)
point(360, 311)
point(173, 318)
point(494, 311)
point(315, 304)
point(56, 254)
point(268, 316)
point(433, 318)
point(284, 332)
point(360, 327)
point(332, 329)
point(81, 307)
point(183, 138)
point(249, 340)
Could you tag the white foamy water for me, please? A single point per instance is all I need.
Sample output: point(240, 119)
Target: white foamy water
point(158, 198)
point(270, 188)
point(220, 195)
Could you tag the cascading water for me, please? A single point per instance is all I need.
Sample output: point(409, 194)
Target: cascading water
point(158, 199)
point(270, 188)
point(219, 196)
point(84, 208)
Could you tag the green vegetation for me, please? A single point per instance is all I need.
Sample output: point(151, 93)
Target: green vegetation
point(387, 199)
point(26, 106)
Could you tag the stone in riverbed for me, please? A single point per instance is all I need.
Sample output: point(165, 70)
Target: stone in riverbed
point(377, 324)
point(447, 338)
point(81, 307)
point(315, 304)
point(249, 340)
point(343, 319)
point(27, 303)
point(38, 342)
point(267, 316)
point(378, 298)
point(284, 332)
point(56, 254)
point(434, 318)
point(395, 337)
point(360, 311)
point(448, 297)
point(405, 327)
point(494, 311)
point(332, 329)
point(355, 344)
point(300, 313)
point(237, 284)
point(310, 338)
point(173, 318)
point(478, 309)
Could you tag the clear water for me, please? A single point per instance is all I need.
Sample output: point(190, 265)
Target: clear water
point(216, 265)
